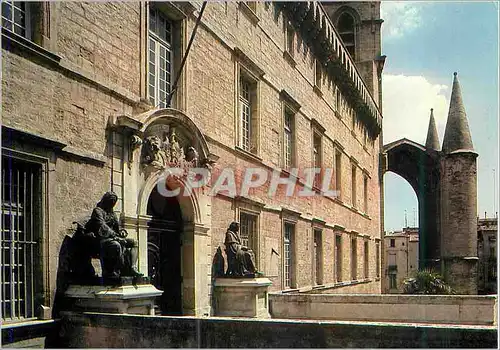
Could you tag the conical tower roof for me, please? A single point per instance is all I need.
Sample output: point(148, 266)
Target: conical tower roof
point(432, 141)
point(457, 133)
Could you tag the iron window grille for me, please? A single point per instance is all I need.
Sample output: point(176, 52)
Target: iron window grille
point(19, 258)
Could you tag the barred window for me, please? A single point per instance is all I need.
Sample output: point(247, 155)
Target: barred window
point(248, 230)
point(377, 261)
point(160, 58)
point(289, 232)
point(15, 17)
point(21, 209)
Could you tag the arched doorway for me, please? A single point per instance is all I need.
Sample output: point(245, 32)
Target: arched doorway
point(164, 234)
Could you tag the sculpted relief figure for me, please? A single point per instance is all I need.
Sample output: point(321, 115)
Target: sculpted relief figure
point(118, 254)
point(155, 153)
point(240, 259)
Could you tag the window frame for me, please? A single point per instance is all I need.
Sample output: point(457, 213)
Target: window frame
point(244, 74)
point(289, 158)
point(318, 75)
point(354, 258)
point(169, 47)
point(338, 172)
point(290, 258)
point(317, 153)
point(354, 175)
point(28, 17)
point(254, 241)
point(40, 294)
point(366, 259)
point(338, 258)
point(365, 193)
point(318, 277)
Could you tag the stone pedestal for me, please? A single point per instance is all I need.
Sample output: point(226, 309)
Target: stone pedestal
point(242, 297)
point(123, 299)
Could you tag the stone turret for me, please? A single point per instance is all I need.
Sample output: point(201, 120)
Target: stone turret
point(457, 133)
point(432, 141)
point(458, 199)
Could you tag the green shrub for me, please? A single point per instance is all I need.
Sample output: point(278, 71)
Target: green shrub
point(426, 282)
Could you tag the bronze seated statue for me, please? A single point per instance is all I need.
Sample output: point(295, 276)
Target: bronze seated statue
point(240, 259)
point(101, 237)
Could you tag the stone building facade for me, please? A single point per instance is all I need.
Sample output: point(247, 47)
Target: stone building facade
point(265, 85)
point(400, 257)
point(487, 233)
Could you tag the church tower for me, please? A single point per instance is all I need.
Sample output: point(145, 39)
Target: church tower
point(358, 24)
point(458, 199)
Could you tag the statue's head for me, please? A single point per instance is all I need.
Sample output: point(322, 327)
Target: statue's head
point(108, 200)
point(235, 226)
point(153, 143)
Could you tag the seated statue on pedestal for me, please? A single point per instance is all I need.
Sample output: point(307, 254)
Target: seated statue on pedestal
point(240, 259)
point(102, 237)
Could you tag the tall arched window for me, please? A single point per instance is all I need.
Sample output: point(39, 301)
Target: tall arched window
point(345, 26)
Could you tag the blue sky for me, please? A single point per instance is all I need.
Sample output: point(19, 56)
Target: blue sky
point(425, 42)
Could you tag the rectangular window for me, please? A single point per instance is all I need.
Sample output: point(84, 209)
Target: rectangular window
point(290, 38)
point(288, 259)
point(247, 113)
point(338, 173)
point(338, 257)
point(288, 132)
point(392, 259)
point(317, 151)
point(248, 230)
point(21, 222)
point(16, 17)
point(160, 58)
point(366, 260)
point(377, 257)
point(318, 74)
point(353, 186)
point(354, 258)
point(365, 194)
point(393, 281)
point(392, 243)
point(318, 257)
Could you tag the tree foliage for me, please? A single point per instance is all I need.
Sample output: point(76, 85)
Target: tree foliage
point(426, 282)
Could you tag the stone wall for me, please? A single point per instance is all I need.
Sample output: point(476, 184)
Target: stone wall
point(92, 70)
point(446, 309)
point(122, 331)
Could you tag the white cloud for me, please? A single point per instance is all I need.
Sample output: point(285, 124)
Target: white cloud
point(400, 17)
point(407, 101)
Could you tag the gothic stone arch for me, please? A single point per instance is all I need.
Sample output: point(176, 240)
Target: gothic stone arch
point(420, 167)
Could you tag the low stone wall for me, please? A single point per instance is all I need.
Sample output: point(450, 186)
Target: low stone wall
point(447, 309)
point(93, 330)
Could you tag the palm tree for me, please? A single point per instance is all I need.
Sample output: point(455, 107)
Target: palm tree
point(426, 282)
